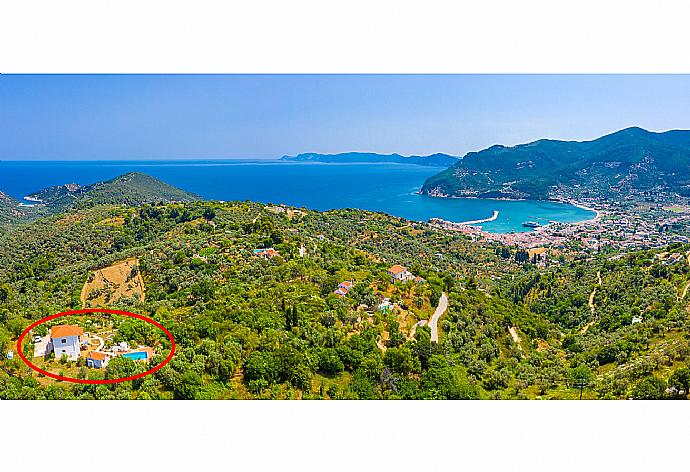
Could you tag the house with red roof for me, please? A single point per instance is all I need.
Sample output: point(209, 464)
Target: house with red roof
point(65, 340)
point(343, 288)
point(268, 252)
point(400, 273)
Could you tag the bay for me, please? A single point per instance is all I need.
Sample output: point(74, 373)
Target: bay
point(389, 188)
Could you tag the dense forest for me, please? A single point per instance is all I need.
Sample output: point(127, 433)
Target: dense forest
point(270, 326)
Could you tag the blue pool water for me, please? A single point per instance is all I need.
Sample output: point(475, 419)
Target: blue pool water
point(136, 356)
point(390, 188)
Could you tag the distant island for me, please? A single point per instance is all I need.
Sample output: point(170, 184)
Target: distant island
point(630, 161)
point(436, 160)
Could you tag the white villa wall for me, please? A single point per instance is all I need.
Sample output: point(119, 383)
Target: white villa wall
point(69, 347)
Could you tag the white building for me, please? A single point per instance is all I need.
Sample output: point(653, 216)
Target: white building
point(65, 340)
point(398, 272)
point(97, 359)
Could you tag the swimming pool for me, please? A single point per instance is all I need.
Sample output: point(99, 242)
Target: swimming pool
point(136, 356)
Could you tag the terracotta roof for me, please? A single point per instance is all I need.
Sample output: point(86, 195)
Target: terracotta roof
point(148, 351)
point(63, 331)
point(396, 269)
point(99, 356)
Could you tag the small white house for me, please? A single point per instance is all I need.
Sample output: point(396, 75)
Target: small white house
point(97, 360)
point(65, 340)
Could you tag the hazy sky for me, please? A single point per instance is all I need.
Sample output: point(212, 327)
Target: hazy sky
point(233, 116)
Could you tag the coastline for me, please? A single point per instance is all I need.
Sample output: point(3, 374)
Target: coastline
point(582, 206)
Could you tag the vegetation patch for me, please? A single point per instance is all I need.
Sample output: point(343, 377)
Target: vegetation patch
point(109, 285)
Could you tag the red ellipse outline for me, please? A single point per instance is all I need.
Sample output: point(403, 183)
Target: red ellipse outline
point(95, 310)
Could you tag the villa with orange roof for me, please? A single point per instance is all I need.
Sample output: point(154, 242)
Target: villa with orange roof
point(65, 340)
point(400, 273)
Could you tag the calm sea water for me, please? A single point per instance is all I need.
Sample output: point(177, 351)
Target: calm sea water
point(390, 188)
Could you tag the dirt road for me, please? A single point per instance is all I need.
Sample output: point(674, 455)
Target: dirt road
point(515, 336)
point(440, 310)
point(413, 330)
point(592, 307)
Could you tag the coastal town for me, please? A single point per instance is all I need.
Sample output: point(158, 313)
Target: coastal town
point(633, 223)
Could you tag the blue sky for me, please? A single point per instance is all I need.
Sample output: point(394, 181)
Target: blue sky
point(243, 116)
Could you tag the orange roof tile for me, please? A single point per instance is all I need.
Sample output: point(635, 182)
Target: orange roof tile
point(63, 331)
point(99, 356)
point(396, 269)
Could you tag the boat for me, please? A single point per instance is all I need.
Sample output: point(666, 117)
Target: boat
point(531, 224)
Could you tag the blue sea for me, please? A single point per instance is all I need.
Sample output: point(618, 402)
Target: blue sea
point(390, 188)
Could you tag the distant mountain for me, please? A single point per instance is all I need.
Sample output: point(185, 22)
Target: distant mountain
point(632, 159)
point(9, 208)
point(437, 160)
point(129, 189)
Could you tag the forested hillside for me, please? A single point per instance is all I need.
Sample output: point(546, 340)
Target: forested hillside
point(133, 188)
point(9, 209)
point(632, 159)
point(256, 326)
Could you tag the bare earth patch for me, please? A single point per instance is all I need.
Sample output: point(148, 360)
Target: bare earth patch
point(110, 284)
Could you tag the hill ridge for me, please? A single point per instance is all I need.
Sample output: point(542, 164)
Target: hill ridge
point(628, 160)
point(132, 188)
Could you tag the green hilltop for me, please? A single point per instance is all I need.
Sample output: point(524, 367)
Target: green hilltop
point(626, 161)
point(133, 188)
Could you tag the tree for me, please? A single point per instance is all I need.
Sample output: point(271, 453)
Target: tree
point(581, 376)
point(521, 256)
point(261, 365)
point(4, 293)
point(120, 367)
point(330, 363)
point(650, 388)
point(444, 381)
point(188, 386)
point(402, 360)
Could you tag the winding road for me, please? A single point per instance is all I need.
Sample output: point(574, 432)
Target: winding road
point(592, 307)
point(440, 310)
point(413, 330)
